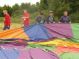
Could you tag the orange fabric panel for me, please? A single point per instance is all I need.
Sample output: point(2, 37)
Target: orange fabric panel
point(14, 33)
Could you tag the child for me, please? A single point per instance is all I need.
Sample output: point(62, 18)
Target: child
point(50, 18)
point(65, 18)
point(26, 18)
point(7, 20)
point(40, 18)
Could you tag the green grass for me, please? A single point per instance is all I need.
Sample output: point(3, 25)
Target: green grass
point(18, 19)
point(13, 19)
point(13, 25)
point(16, 22)
point(70, 55)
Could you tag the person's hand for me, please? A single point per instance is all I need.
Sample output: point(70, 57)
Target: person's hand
point(70, 22)
point(54, 22)
point(59, 22)
point(25, 17)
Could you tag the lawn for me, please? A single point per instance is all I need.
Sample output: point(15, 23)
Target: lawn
point(16, 22)
point(13, 25)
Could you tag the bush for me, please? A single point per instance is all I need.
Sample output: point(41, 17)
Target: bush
point(75, 17)
point(1, 19)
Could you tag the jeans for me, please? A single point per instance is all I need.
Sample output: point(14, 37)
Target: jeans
point(6, 27)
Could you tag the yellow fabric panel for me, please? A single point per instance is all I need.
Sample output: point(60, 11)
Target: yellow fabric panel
point(22, 35)
point(57, 42)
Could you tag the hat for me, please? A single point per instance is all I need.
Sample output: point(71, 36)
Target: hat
point(51, 11)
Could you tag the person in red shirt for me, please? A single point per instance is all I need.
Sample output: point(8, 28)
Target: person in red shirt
point(7, 20)
point(26, 18)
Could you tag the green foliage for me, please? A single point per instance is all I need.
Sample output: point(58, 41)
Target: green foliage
point(10, 10)
point(17, 10)
point(44, 4)
point(15, 7)
point(75, 17)
point(1, 14)
point(58, 6)
point(1, 19)
point(74, 5)
point(69, 55)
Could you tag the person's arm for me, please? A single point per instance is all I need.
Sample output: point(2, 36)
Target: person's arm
point(54, 20)
point(60, 20)
point(4, 19)
point(69, 20)
point(26, 17)
point(36, 19)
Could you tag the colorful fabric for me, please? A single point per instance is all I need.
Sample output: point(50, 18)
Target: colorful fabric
point(14, 33)
point(36, 32)
point(63, 48)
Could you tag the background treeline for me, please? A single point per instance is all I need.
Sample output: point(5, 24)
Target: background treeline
point(16, 11)
point(58, 6)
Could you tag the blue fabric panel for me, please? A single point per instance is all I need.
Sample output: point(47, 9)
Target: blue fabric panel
point(8, 54)
point(37, 32)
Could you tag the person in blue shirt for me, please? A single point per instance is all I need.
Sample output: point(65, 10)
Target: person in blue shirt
point(50, 18)
point(40, 18)
point(65, 18)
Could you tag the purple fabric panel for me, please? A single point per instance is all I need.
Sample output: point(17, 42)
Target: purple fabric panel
point(60, 30)
point(24, 55)
point(37, 53)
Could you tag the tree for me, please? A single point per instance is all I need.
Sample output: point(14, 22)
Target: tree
point(43, 4)
point(15, 7)
point(74, 5)
point(1, 11)
point(58, 6)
